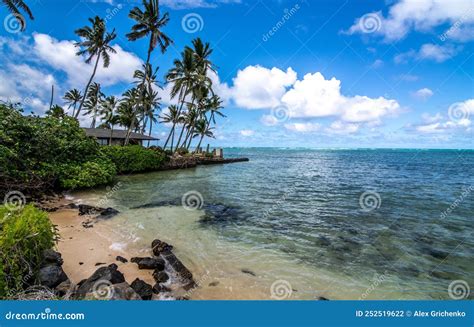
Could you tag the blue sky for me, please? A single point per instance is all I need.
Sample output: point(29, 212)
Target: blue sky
point(292, 73)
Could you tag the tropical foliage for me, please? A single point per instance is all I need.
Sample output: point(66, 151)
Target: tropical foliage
point(15, 7)
point(25, 234)
point(135, 158)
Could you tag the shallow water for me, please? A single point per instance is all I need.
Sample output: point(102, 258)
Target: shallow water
point(343, 224)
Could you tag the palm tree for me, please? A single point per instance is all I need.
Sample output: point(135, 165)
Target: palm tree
point(95, 43)
point(173, 116)
point(150, 22)
point(152, 102)
point(93, 102)
point(72, 98)
point(183, 77)
point(202, 129)
point(108, 106)
point(128, 109)
point(56, 112)
point(14, 6)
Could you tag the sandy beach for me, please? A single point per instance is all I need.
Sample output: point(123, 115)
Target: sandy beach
point(84, 248)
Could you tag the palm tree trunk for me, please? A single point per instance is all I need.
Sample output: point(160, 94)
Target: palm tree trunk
point(88, 84)
point(172, 141)
point(180, 136)
point(200, 141)
point(174, 123)
point(149, 134)
point(111, 134)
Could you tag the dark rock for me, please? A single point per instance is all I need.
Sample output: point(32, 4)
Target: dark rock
point(72, 206)
point(160, 276)
point(143, 289)
point(158, 246)
point(322, 298)
point(248, 272)
point(213, 284)
point(178, 267)
point(87, 210)
point(158, 288)
point(51, 256)
point(121, 259)
point(81, 263)
point(149, 263)
point(51, 275)
point(108, 274)
point(100, 264)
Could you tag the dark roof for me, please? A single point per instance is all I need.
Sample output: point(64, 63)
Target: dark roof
point(102, 133)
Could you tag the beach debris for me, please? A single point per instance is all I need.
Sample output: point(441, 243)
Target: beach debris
point(144, 290)
point(81, 263)
point(213, 284)
point(100, 264)
point(248, 272)
point(149, 263)
point(121, 259)
point(87, 224)
point(160, 276)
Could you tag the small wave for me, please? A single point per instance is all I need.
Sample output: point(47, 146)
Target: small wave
point(118, 247)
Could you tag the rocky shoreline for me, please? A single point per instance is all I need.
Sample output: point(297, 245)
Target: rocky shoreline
point(172, 280)
point(176, 163)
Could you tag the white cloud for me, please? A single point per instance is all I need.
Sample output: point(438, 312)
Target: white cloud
point(423, 94)
point(303, 127)
point(269, 120)
point(434, 52)
point(247, 132)
point(61, 55)
point(377, 64)
point(256, 87)
point(458, 119)
point(419, 15)
point(339, 127)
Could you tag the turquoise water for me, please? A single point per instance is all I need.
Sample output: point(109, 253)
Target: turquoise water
point(344, 224)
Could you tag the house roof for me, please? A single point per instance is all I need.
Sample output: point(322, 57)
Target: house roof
point(102, 133)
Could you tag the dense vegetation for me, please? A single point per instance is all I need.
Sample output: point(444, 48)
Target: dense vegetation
point(135, 158)
point(46, 153)
point(24, 234)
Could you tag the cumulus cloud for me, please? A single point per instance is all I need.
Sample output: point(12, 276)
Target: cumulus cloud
point(256, 87)
point(422, 16)
point(61, 55)
point(339, 127)
point(303, 127)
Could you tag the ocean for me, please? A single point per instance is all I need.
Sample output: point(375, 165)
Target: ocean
point(305, 223)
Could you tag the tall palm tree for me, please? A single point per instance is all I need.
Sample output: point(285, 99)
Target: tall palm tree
point(14, 6)
point(93, 102)
point(183, 77)
point(174, 117)
point(56, 112)
point(95, 43)
point(128, 111)
point(108, 106)
point(150, 22)
point(72, 98)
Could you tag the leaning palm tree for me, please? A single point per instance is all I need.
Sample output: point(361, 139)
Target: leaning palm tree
point(173, 116)
point(95, 43)
point(14, 6)
point(202, 129)
point(150, 22)
point(72, 98)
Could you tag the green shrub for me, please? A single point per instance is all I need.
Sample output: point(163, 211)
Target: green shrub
point(24, 235)
point(134, 158)
point(42, 153)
